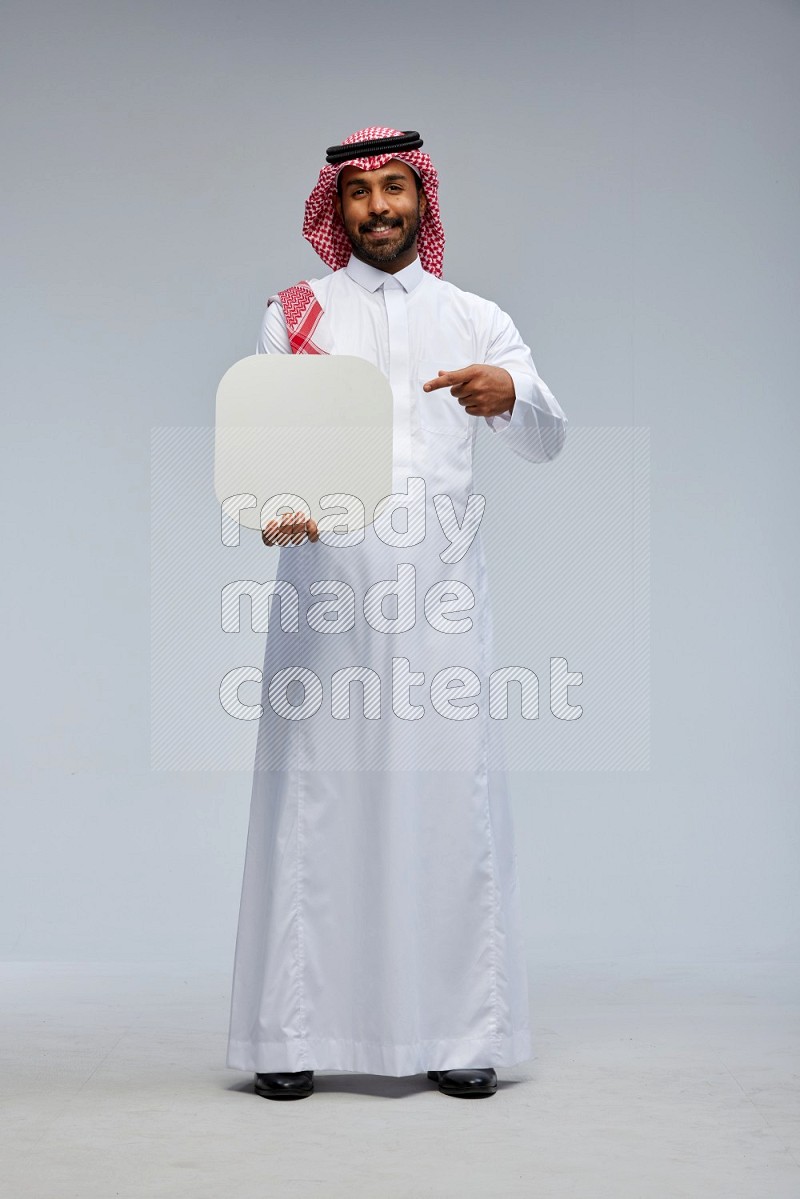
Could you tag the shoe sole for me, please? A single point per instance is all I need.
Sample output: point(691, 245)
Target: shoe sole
point(285, 1095)
point(470, 1094)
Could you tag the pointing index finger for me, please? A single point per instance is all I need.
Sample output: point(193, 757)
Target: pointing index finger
point(446, 379)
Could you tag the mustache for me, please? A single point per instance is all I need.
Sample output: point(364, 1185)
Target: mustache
point(370, 225)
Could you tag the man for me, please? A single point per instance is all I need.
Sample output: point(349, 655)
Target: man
point(379, 928)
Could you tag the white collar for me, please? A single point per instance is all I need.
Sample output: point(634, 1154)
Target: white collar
point(371, 278)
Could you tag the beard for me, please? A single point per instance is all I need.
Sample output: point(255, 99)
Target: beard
point(384, 251)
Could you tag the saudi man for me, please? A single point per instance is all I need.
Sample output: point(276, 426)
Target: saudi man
point(379, 929)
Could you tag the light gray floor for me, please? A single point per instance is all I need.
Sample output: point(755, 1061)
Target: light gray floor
point(653, 1082)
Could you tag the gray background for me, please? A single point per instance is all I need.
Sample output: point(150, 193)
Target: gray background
point(622, 178)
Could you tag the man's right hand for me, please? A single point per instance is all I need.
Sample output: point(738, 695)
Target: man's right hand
point(293, 529)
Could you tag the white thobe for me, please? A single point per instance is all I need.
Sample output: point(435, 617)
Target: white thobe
point(380, 927)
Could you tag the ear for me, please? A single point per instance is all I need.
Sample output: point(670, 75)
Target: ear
point(338, 206)
point(423, 201)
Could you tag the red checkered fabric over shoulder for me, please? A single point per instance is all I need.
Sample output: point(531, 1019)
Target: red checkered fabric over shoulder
point(323, 228)
point(303, 311)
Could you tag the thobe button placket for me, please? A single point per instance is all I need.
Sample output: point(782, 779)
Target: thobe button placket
point(399, 365)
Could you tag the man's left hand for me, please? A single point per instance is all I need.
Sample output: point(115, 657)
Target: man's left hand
point(483, 390)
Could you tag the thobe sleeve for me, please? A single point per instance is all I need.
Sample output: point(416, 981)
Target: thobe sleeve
point(274, 336)
point(536, 427)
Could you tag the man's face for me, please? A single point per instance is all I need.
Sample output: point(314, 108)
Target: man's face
point(380, 211)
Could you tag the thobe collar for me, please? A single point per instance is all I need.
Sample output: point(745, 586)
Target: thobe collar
point(370, 278)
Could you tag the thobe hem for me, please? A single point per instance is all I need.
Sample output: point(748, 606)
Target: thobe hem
point(365, 1057)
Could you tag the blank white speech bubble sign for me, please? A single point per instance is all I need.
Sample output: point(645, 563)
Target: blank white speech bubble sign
point(298, 431)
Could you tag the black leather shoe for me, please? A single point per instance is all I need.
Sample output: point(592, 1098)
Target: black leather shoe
point(466, 1084)
point(289, 1085)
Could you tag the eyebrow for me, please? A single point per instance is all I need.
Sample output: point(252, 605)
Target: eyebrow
point(358, 181)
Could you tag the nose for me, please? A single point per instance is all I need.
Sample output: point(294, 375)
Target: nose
point(378, 203)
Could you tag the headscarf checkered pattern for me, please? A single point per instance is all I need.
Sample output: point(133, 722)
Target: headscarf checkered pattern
point(323, 228)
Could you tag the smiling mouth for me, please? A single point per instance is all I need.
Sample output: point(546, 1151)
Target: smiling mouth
point(381, 230)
